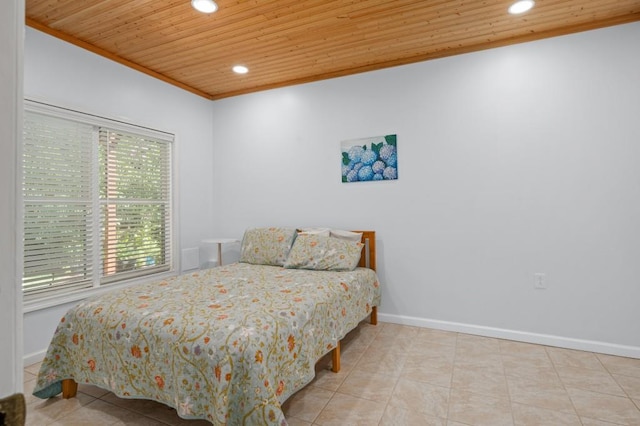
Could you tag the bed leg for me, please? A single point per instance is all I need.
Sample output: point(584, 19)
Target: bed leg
point(374, 315)
point(335, 359)
point(69, 388)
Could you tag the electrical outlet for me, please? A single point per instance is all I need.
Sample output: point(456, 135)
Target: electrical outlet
point(540, 280)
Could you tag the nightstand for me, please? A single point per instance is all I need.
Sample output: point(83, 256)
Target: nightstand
point(220, 242)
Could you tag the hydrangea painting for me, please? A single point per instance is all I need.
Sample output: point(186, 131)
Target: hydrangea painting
point(370, 159)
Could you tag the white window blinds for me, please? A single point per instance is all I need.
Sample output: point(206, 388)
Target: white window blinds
point(58, 217)
point(134, 204)
point(97, 202)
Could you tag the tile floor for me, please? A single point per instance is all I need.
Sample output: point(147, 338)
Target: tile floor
point(401, 375)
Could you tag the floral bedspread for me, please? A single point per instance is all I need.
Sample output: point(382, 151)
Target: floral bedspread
point(228, 344)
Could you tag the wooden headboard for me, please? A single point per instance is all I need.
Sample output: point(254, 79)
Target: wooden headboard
point(369, 241)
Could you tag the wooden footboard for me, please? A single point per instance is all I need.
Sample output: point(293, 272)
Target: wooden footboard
point(367, 260)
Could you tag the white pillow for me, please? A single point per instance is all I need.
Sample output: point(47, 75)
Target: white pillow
point(325, 232)
point(346, 235)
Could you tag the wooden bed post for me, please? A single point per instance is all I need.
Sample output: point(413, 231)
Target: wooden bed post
point(374, 315)
point(69, 388)
point(335, 358)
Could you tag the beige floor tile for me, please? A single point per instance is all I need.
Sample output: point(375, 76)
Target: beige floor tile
point(135, 419)
point(32, 369)
point(428, 349)
point(478, 343)
point(37, 418)
point(526, 415)
point(544, 379)
point(395, 416)
point(573, 358)
point(593, 422)
point(152, 409)
point(99, 413)
point(293, 421)
point(537, 392)
point(383, 346)
point(480, 380)
point(29, 385)
point(469, 358)
point(367, 385)
point(307, 403)
point(351, 353)
point(420, 397)
point(357, 339)
point(398, 330)
point(631, 385)
point(479, 410)
point(379, 361)
point(400, 375)
point(394, 339)
point(621, 365)
point(348, 410)
point(55, 408)
point(522, 350)
point(437, 371)
point(91, 390)
point(441, 337)
point(391, 343)
point(593, 380)
point(365, 332)
point(523, 369)
point(511, 360)
point(488, 362)
point(327, 379)
point(177, 421)
point(604, 407)
point(524, 354)
point(469, 354)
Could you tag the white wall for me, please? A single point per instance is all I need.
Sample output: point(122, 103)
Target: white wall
point(512, 161)
point(11, 49)
point(62, 74)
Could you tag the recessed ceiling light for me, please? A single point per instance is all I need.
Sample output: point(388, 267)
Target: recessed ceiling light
point(204, 6)
point(240, 69)
point(521, 6)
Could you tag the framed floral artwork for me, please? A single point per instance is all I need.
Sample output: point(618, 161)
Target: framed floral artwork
point(370, 159)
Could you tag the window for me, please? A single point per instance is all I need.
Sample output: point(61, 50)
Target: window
point(97, 201)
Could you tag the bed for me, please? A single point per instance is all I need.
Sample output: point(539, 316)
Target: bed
point(228, 344)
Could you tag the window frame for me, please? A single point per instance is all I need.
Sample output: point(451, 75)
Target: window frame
point(99, 283)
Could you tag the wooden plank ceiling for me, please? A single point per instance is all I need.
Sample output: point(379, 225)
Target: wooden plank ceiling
point(286, 42)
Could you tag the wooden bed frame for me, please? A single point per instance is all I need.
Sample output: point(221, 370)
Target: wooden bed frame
point(367, 260)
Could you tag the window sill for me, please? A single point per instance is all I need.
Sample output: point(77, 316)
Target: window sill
point(46, 302)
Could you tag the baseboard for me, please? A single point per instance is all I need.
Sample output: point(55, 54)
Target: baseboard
point(520, 336)
point(33, 358)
